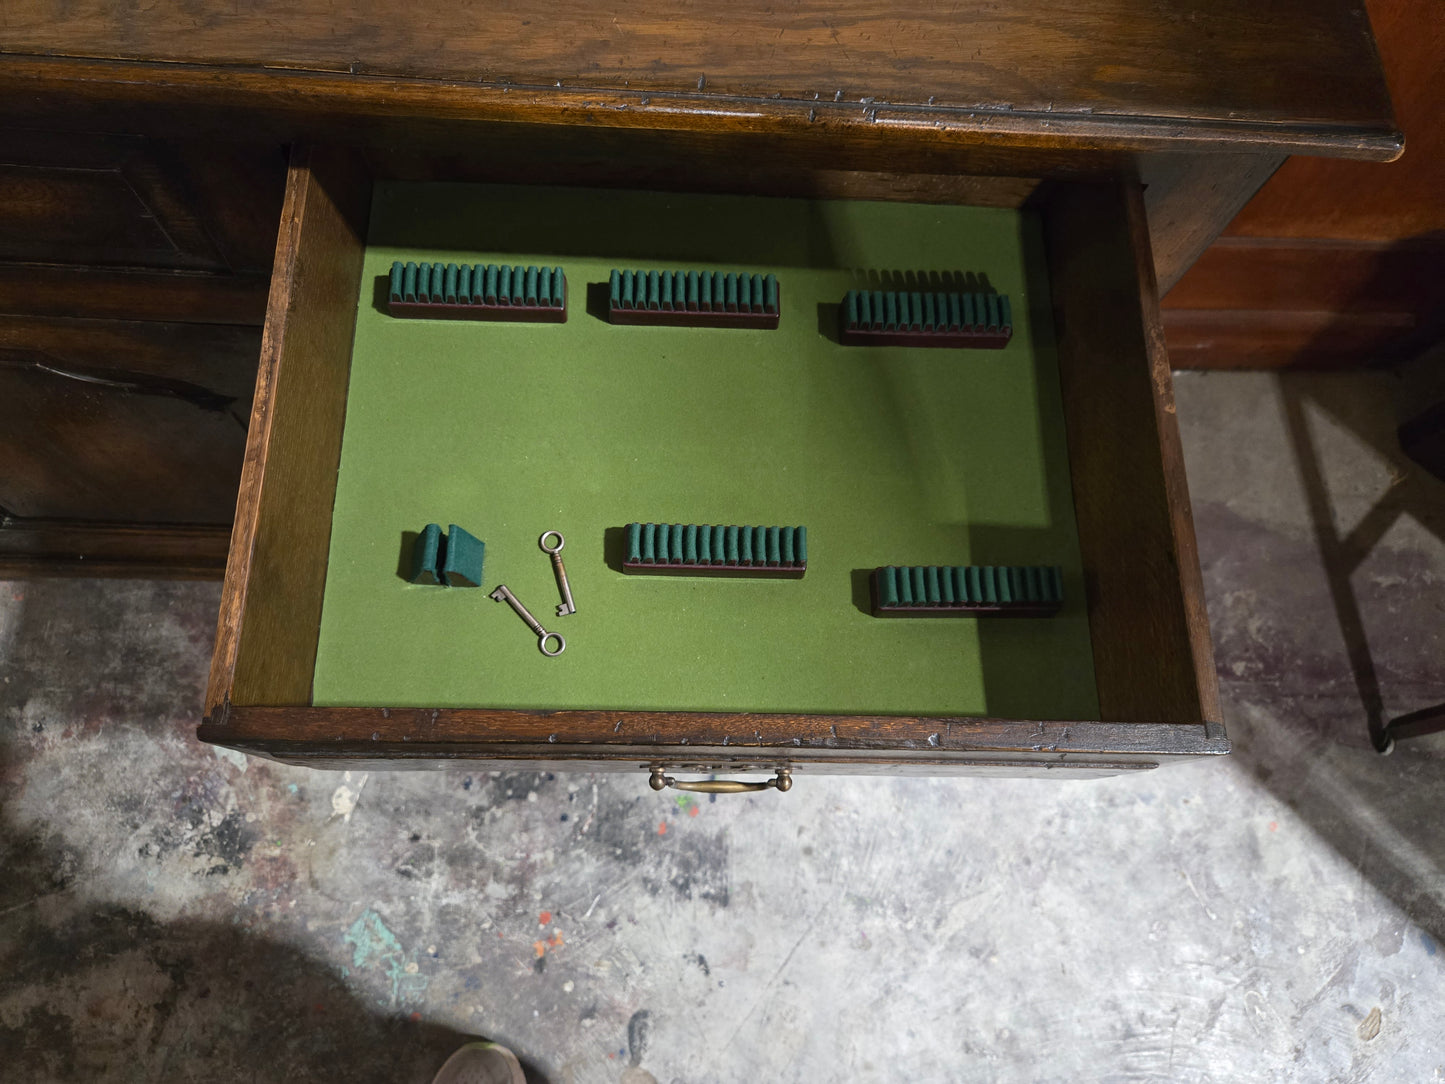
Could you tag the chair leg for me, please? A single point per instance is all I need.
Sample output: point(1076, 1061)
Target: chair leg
point(1415, 725)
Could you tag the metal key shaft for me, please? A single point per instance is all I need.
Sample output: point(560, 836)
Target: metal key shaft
point(501, 594)
point(555, 552)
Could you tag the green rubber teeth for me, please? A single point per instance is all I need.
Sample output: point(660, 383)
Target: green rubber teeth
point(693, 291)
point(722, 549)
point(893, 310)
point(477, 284)
point(1036, 590)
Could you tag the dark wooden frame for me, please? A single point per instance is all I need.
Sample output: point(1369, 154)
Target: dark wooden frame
point(1199, 168)
point(65, 547)
point(1153, 659)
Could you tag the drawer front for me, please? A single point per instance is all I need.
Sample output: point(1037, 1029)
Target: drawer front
point(133, 280)
point(122, 201)
point(1152, 656)
point(708, 742)
point(123, 422)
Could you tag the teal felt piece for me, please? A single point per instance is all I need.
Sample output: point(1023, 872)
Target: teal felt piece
point(426, 555)
point(462, 561)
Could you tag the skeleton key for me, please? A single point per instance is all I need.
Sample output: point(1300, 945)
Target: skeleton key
point(501, 594)
point(555, 552)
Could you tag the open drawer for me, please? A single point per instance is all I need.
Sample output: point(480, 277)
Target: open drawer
point(1137, 592)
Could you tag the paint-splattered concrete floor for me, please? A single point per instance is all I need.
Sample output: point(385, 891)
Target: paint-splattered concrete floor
point(172, 912)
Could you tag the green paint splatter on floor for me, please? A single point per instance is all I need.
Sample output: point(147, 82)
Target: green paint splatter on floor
point(376, 946)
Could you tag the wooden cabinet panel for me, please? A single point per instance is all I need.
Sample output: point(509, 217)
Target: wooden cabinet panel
point(30, 547)
point(1268, 303)
point(1372, 202)
point(129, 293)
point(1288, 70)
point(130, 202)
point(133, 280)
point(76, 216)
point(123, 422)
point(1334, 263)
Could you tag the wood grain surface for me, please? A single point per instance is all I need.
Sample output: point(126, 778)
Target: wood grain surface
point(1189, 197)
point(139, 294)
point(1249, 338)
point(1252, 303)
point(123, 421)
point(55, 547)
point(1297, 72)
point(1333, 264)
point(271, 603)
point(126, 201)
point(702, 741)
point(1357, 201)
point(1152, 655)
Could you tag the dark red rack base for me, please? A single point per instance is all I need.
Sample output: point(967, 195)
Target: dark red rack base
point(961, 609)
point(768, 321)
point(772, 572)
point(971, 340)
point(536, 314)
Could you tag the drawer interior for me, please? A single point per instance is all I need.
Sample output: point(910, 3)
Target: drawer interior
point(888, 455)
point(1082, 399)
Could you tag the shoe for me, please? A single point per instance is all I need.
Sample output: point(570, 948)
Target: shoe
point(481, 1063)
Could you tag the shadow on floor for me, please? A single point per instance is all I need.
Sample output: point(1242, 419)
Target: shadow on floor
point(100, 992)
point(1342, 552)
point(97, 993)
point(109, 993)
point(1306, 715)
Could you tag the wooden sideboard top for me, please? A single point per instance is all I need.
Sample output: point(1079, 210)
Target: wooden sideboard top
point(1299, 76)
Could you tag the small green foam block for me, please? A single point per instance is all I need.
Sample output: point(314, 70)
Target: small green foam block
point(426, 556)
point(462, 560)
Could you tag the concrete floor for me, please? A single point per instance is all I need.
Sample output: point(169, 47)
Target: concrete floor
point(174, 912)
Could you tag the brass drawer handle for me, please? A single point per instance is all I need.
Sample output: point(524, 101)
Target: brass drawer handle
point(783, 780)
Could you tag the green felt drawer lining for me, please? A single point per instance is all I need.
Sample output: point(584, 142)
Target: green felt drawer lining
point(888, 455)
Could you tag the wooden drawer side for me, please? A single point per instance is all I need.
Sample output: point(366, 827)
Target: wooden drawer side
point(271, 604)
point(1153, 659)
